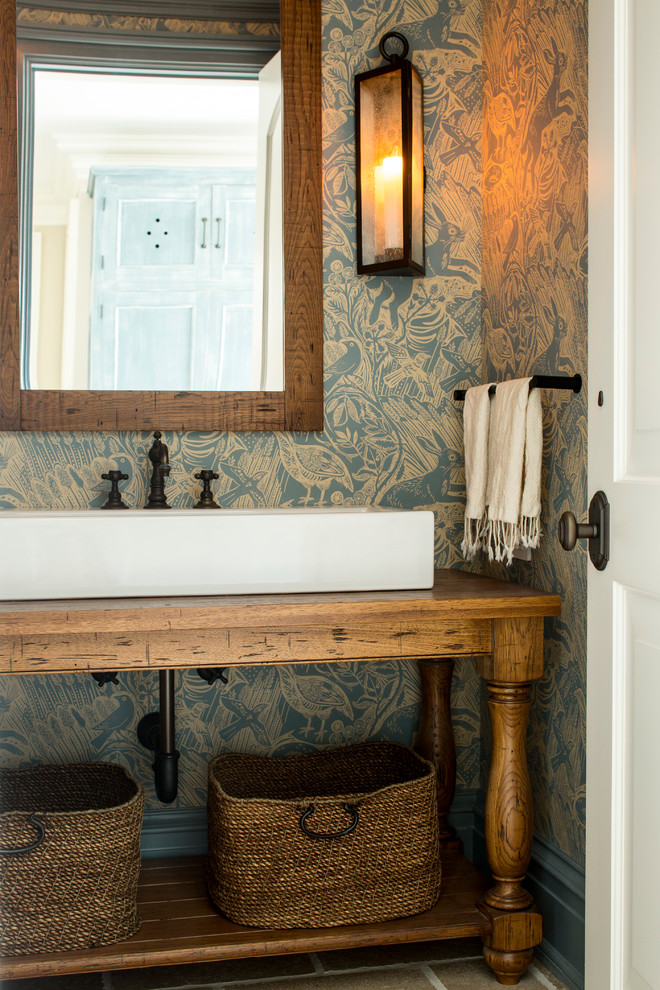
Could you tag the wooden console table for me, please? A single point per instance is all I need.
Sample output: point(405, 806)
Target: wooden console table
point(499, 624)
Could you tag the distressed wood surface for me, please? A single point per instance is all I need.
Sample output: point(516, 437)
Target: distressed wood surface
point(181, 925)
point(302, 215)
point(508, 947)
point(112, 411)
point(456, 595)
point(515, 661)
point(517, 654)
point(508, 810)
point(451, 619)
point(10, 409)
point(59, 653)
point(435, 738)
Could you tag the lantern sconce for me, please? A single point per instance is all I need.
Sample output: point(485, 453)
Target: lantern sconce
point(389, 138)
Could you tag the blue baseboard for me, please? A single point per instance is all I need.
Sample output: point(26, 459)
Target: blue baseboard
point(557, 885)
point(555, 882)
point(182, 832)
point(174, 832)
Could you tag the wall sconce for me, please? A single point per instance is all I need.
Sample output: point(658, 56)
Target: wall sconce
point(389, 136)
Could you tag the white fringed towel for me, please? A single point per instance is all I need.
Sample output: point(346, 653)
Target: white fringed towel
point(476, 419)
point(512, 500)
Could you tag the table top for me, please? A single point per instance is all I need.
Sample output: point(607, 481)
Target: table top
point(454, 595)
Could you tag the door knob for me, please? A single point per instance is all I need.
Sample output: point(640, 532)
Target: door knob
point(570, 531)
point(597, 531)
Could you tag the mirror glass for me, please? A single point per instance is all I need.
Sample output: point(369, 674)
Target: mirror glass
point(152, 230)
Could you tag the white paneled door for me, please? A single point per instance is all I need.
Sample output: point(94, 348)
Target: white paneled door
point(623, 668)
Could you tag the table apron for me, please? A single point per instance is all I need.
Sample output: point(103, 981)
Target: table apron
point(32, 654)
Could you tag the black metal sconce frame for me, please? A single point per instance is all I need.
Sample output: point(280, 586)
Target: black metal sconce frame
point(407, 264)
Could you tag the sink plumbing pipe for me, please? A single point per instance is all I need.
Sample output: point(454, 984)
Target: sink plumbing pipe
point(156, 732)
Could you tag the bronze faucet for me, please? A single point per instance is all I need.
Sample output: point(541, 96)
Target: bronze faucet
point(160, 458)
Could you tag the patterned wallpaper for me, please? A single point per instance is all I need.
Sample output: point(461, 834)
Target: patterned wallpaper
point(126, 24)
point(395, 349)
point(534, 276)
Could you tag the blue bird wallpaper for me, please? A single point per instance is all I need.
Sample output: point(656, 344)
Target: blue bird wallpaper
point(534, 277)
point(395, 349)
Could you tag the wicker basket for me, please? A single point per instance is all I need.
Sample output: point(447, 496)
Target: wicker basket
point(70, 838)
point(341, 837)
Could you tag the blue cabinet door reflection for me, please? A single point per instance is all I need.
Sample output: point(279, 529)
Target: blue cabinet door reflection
point(173, 261)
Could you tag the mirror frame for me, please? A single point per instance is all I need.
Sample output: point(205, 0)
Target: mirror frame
point(300, 405)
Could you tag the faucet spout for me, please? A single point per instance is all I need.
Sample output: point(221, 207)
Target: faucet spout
point(159, 453)
point(159, 456)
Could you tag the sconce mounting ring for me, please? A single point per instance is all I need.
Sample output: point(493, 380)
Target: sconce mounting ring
point(397, 56)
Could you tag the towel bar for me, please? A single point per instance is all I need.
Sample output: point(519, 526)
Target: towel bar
point(571, 382)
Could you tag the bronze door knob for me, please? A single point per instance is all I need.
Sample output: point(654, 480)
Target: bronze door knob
point(570, 531)
point(597, 531)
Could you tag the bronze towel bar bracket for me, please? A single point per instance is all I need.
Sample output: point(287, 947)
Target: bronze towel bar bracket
point(573, 383)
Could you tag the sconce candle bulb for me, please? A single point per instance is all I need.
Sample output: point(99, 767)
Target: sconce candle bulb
point(393, 202)
point(390, 166)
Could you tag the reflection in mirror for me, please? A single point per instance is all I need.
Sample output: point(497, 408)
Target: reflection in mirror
point(150, 266)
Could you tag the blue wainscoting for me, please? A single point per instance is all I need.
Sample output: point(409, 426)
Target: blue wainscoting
point(557, 885)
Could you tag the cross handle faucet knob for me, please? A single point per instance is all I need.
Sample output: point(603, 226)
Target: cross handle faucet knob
point(114, 498)
point(206, 500)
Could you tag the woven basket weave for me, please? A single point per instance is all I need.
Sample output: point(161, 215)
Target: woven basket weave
point(264, 869)
point(77, 888)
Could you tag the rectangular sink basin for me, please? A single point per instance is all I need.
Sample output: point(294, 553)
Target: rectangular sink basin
point(105, 554)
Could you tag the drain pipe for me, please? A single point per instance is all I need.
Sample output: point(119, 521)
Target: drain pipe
point(156, 732)
point(166, 773)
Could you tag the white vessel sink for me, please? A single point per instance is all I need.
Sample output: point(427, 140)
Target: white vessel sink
point(100, 554)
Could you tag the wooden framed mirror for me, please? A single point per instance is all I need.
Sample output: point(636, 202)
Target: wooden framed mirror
point(300, 405)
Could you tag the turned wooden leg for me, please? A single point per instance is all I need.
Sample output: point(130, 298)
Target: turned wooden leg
point(435, 739)
point(516, 927)
point(508, 966)
point(509, 797)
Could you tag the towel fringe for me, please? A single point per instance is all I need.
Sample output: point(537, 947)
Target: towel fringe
point(501, 538)
point(530, 531)
point(473, 534)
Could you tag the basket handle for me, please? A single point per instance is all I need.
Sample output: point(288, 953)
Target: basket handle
point(26, 849)
point(350, 809)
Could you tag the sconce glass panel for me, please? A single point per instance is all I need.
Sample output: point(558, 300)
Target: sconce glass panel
point(381, 169)
point(417, 248)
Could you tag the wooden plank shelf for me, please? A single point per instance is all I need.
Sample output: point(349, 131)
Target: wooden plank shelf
point(181, 925)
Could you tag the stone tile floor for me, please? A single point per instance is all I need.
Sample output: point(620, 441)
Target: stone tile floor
point(454, 965)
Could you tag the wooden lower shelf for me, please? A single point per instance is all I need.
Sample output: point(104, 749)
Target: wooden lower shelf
point(181, 925)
